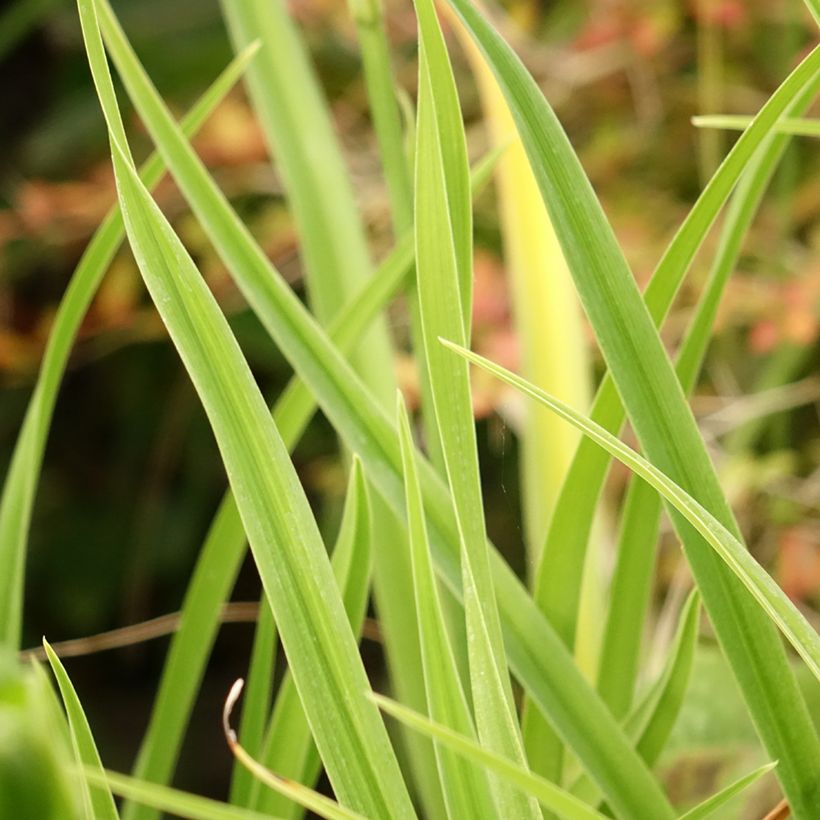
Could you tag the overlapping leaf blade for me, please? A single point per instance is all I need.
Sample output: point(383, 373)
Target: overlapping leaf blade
point(283, 535)
point(717, 801)
point(641, 512)
point(101, 803)
point(224, 546)
point(650, 723)
point(289, 749)
point(297, 126)
point(652, 394)
point(466, 791)
point(443, 263)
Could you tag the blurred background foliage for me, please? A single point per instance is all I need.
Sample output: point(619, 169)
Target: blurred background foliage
point(132, 476)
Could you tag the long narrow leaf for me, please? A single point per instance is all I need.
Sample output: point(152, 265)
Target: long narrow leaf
point(289, 749)
point(650, 723)
point(466, 791)
point(558, 582)
point(163, 798)
point(297, 126)
point(654, 718)
point(443, 241)
point(368, 15)
point(717, 801)
point(546, 312)
point(796, 126)
point(20, 484)
point(224, 546)
point(85, 749)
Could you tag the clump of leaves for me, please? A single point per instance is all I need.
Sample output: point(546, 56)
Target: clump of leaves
point(456, 621)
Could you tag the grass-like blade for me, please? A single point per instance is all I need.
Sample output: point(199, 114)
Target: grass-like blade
point(282, 532)
point(796, 126)
point(546, 312)
point(256, 703)
point(20, 483)
point(708, 807)
point(541, 662)
point(466, 790)
point(625, 328)
point(299, 585)
point(166, 799)
point(289, 749)
point(651, 721)
point(631, 580)
point(100, 804)
point(771, 599)
point(452, 146)
point(440, 270)
point(368, 15)
point(550, 796)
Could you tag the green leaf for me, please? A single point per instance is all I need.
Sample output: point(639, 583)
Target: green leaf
point(256, 703)
point(771, 599)
point(548, 794)
point(282, 532)
point(21, 480)
point(173, 801)
point(717, 801)
point(654, 718)
point(368, 15)
point(452, 146)
point(558, 582)
point(440, 234)
point(796, 126)
point(466, 791)
point(546, 315)
point(101, 803)
point(35, 756)
point(651, 722)
point(625, 329)
point(289, 749)
point(631, 581)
